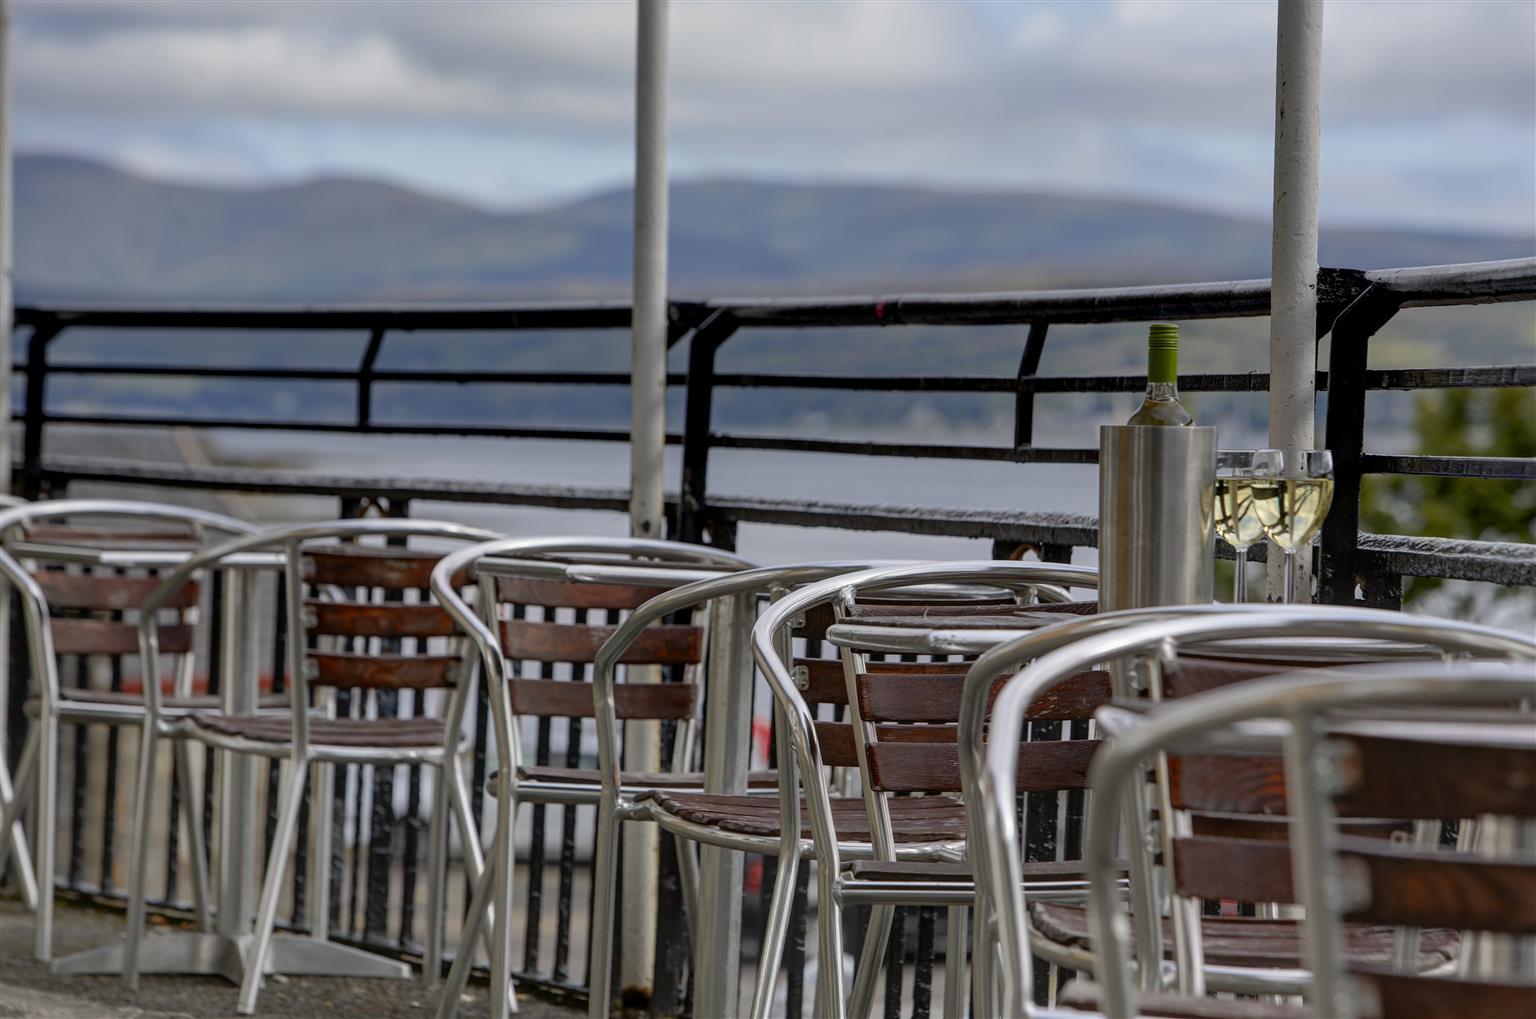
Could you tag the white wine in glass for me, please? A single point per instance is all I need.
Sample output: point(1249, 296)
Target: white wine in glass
point(1234, 515)
point(1292, 503)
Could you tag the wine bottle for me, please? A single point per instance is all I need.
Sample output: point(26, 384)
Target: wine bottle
point(1162, 406)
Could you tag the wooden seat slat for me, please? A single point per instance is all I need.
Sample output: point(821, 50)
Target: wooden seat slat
point(1403, 994)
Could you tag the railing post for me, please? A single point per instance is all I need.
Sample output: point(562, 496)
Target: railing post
point(365, 380)
point(34, 414)
point(692, 513)
point(1024, 400)
point(1345, 437)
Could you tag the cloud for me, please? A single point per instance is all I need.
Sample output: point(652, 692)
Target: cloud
point(1158, 97)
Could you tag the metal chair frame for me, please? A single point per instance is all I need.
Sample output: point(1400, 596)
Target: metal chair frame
point(38, 767)
point(297, 754)
point(798, 729)
point(576, 559)
point(1214, 722)
point(1064, 651)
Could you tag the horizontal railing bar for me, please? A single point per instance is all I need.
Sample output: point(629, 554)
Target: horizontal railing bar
point(352, 374)
point(1512, 279)
point(917, 450)
point(1493, 562)
point(1497, 562)
point(1509, 467)
point(1481, 377)
point(1499, 376)
point(590, 315)
point(491, 431)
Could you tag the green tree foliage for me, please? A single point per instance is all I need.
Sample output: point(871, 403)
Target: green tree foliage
point(1460, 422)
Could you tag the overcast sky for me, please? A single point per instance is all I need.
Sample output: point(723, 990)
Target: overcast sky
point(1429, 107)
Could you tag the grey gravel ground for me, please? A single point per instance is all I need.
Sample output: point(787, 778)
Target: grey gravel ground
point(28, 988)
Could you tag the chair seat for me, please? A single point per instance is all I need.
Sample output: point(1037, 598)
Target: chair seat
point(119, 702)
point(913, 818)
point(1085, 996)
point(925, 871)
point(388, 733)
point(633, 779)
point(1250, 941)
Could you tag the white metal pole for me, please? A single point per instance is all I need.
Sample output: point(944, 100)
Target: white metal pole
point(1293, 290)
point(6, 231)
point(647, 445)
point(648, 365)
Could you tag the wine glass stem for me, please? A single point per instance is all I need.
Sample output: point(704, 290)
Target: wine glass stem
point(1290, 576)
point(1240, 575)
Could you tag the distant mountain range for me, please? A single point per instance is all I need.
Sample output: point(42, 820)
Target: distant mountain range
point(85, 230)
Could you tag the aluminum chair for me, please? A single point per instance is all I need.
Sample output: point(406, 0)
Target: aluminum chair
point(610, 574)
point(41, 539)
point(730, 818)
point(1428, 762)
point(319, 583)
point(1061, 653)
point(896, 828)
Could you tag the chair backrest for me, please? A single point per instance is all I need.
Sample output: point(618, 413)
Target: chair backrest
point(369, 619)
point(72, 612)
point(1475, 766)
point(557, 602)
point(894, 753)
point(339, 594)
point(1371, 763)
point(1159, 642)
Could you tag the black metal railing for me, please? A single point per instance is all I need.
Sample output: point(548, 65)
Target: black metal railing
point(1352, 307)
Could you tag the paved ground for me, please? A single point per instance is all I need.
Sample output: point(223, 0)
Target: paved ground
point(28, 988)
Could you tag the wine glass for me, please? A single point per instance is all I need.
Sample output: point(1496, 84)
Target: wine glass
point(1291, 502)
point(1234, 516)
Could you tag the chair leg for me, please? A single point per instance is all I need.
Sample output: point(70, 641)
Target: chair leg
point(191, 816)
point(293, 774)
point(983, 957)
point(779, 908)
point(474, 923)
point(13, 806)
point(954, 964)
point(605, 879)
point(831, 1003)
point(47, 831)
point(138, 854)
point(688, 877)
point(469, 835)
point(871, 960)
point(503, 886)
point(437, 884)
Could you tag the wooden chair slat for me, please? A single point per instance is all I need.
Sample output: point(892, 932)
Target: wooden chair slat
point(109, 637)
point(1403, 994)
point(572, 595)
point(1195, 673)
point(936, 698)
point(357, 566)
point(1278, 829)
point(548, 698)
point(911, 766)
point(1251, 870)
point(383, 672)
point(106, 592)
point(1439, 779)
point(352, 619)
point(1231, 785)
point(669, 644)
point(1428, 889)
